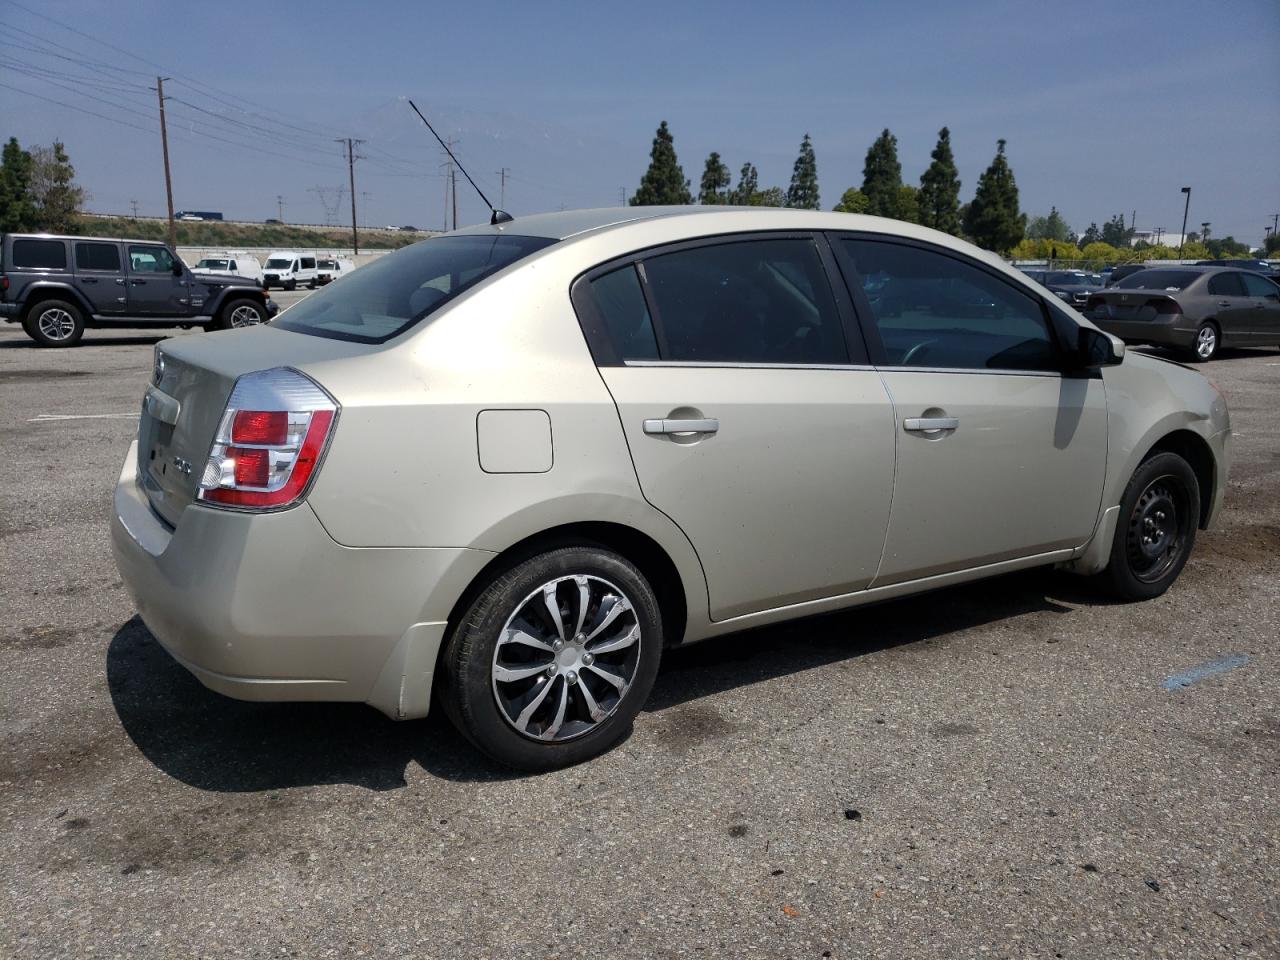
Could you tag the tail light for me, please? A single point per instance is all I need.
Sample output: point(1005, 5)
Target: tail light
point(270, 441)
point(1165, 307)
point(1096, 303)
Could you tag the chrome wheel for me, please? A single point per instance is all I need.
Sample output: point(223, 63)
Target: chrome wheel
point(56, 324)
point(566, 658)
point(245, 316)
point(1156, 535)
point(1206, 342)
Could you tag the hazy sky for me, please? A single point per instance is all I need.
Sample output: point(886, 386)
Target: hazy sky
point(1107, 107)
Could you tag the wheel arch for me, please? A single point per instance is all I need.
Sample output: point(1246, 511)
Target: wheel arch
point(37, 294)
point(1194, 449)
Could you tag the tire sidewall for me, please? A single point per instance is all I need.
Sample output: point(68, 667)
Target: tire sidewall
point(230, 308)
point(468, 659)
point(32, 323)
point(1124, 583)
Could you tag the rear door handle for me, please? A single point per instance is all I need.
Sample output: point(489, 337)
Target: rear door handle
point(921, 424)
point(656, 427)
point(1224, 303)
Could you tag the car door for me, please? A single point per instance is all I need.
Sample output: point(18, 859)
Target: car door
point(100, 276)
point(1000, 455)
point(154, 289)
point(1232, 308)
point(1264, 318)
point(752, 417)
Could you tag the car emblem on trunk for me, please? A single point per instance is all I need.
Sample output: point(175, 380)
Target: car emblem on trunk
point(1124, 298)
point(182, 466)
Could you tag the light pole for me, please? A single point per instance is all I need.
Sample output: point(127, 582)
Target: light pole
point(1185, 210)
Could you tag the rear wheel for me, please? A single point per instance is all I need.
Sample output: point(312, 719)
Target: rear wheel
point(553, 660)
point(1208, 339)
point(1159, 514)
point(54, 323)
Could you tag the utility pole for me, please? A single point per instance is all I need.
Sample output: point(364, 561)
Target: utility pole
point(502, 191)
point(453, 192)
point(1275, 222)
point(351, 173)
point(164, 143)
point(280, 207)
point(134, 204)
point(622, 194)
point(1185, 210)
point(1204, 231)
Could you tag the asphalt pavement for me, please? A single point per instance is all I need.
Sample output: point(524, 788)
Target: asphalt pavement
point(1014, 768)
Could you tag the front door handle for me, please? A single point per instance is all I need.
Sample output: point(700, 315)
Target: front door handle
point(657, 427)
point(1224, 303)
point(138, 283)
point(922, 424)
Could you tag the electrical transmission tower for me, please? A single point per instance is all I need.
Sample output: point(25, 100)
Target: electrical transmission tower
point(331, 201)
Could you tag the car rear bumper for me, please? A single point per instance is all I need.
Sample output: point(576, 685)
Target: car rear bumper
point(1175, 330)
point(270, 607)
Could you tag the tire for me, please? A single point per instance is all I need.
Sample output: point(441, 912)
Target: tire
point(311, 285)
point(1159, 514)
point(236, 314)
point(54, 323)
point(506, 697)
point(291, 285)
point(1208, 340)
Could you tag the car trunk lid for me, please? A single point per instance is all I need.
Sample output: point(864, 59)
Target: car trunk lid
point(1130, 305)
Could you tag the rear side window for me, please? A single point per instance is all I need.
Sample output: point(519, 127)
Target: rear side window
point(40, 254)
point(98, 256)
point(935, 310)
point(398, 290)
point(1226, 285)
point(754, 301)
point(620, 300)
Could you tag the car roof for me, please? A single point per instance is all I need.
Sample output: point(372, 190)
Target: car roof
point(69, 236)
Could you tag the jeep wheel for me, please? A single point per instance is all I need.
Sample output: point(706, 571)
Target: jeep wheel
point(240, 313)
point(54, 323)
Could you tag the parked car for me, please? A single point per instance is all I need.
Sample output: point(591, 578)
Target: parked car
point(508, 467)
point(1257, 266)
point(1072, 287)
point(331, 268)
point(1124, 270)
point(1195, 309)
point(232, 264)
point(287, 270)
point(58, 286)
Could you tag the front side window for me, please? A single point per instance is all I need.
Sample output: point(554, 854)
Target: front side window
point(1256, 286)
point(150, 260)
point(935, 310)
point(1226, 285)
point(98, 256)
point(308, 263)
point(399, 290)
point(40, 254)
point(755, 301)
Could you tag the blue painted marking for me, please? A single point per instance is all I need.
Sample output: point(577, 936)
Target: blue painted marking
point(1221, 665)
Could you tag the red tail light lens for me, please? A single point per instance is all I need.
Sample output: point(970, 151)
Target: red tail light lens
point(271, 439)
point(1166, 306)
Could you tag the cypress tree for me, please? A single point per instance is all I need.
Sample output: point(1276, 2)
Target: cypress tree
point(54, 190)
point(715, 181)
point(993, 219)
point(17, 209)
point(882, 176)
point(939, 196)
point(663, 182)
point(803, 192)
point(748, 186)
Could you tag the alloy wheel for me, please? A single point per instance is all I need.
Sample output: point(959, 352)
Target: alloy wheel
point(56, 324)
point(245, 316)
point(566, 658)
point(1206, 342)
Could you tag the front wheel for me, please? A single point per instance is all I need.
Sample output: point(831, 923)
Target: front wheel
point(291, 284)
point(553, 660)
point(1159, 514)
point(240, 313)
point(1208, 339)
point(54, 323)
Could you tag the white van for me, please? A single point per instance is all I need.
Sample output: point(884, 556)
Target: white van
point(331, 268)
point(286, 269)
point(232, 264)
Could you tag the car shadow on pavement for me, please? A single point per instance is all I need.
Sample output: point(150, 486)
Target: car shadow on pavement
point(215, 743)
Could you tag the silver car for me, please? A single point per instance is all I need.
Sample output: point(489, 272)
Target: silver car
point(505, 468)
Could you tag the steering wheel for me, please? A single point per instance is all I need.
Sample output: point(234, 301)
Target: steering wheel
point(916, 351)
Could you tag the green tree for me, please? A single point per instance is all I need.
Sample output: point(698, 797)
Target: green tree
point(803, 192)
point(909, 203)
point(1116, 233)
point(53, 189)
point(1271, 248)
point(939, 199)
point(663, 183)
point(715, 181)
point(748, 185)
point(772, 197)
point(882, 176)
point(852, 201)
point(1227, 248)
point(1052, 227)
point(1091, 235)
point(17, 209)
point(993, 219)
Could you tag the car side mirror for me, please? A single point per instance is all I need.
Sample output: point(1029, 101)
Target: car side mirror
point(1098, 349)
point(177, 268)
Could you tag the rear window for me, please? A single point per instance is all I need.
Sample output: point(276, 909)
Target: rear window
point(40, 254)
point(98, 256)
point(396, 291)
point(1159, 280)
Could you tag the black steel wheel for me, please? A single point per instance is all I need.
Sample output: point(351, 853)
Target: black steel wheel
point(1159, 514)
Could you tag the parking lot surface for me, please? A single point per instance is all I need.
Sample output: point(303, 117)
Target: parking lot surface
point(1014, 768)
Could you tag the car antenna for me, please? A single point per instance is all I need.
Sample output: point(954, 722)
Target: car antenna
point(497, 216)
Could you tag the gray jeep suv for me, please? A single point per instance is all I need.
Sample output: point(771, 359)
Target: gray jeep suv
point(57, 286)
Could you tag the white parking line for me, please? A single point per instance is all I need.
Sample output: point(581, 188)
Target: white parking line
point(54, 417)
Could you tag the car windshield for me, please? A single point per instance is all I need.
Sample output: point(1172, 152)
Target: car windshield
point(1159, 280)
point(276, 263)
point(398, 290)
point(208, 264)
